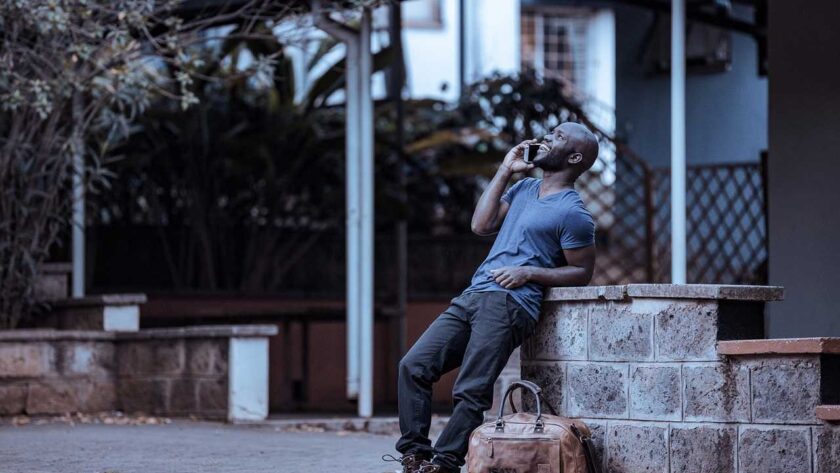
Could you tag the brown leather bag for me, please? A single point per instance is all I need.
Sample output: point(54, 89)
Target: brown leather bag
point(528, 443)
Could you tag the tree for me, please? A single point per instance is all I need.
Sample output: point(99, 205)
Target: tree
point(73, 76)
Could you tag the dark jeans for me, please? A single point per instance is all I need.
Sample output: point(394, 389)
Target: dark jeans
point(478, 332)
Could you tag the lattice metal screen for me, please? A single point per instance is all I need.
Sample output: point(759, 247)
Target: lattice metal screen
point(727, 233)
point(726, 220)
point(620, 206)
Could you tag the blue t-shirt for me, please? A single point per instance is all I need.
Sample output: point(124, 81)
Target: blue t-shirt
point(534, 233)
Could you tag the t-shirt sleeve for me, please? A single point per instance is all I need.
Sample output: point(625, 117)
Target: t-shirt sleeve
point(578, 230)
point(511, 193)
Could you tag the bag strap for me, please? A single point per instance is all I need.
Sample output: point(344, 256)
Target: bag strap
point(588, 450)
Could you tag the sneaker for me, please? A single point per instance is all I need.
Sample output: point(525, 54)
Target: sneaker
point(410, 463)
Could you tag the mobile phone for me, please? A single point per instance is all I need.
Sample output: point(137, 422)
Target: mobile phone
point(531, 152)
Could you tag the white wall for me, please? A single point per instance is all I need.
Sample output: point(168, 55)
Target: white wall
point(804, 167)
point(431, 56)
point(726, 112)
point(495, 36)
point(492, 45)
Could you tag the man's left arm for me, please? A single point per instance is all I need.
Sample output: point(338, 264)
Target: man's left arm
point(577, 272)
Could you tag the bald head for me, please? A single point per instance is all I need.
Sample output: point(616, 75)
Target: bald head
point(584, 142)
point(573, 148)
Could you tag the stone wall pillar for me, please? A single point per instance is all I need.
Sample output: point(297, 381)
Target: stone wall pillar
point(652, 369)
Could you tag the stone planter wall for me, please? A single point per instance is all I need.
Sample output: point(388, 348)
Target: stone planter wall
point(641, 365)
point(210, 372)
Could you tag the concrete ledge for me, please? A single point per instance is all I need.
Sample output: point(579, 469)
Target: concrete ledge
point(666, 291)
point(706, 291)
point(47, 334)
point(585, 293)
point(828, 413)
point(101, 300)
point(203, 331)
point(780, 346)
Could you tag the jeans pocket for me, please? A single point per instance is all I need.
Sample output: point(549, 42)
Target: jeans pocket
point(520, 320)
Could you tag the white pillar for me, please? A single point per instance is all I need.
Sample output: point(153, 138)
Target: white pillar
point(353, 186)
point(353, 196)
point(247, 379)
point(678, 211)
point(365, 404)
point(78, 219)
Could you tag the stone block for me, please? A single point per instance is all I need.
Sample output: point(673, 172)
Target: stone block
point(655, 392)
point(633, 448)
point(826, 449)
point(52, 396)
point(685, 330)
point(717, 392)
point(26, 359)
point(212, 397)
point(207, 357)
point(785, 390)
point(12, 399)
point(774, 450)
point(560, 333)
point(85, 358)
point(144, 395)
point(50, 286)
point(703, 448)
point(78, 318)
point(617, 332)
point(550, 376)
point(183, 396)
point(597, 390)
point(150, 357)
point(96, 394)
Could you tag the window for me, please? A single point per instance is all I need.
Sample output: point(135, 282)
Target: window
point(553, 43)
point(708, 49)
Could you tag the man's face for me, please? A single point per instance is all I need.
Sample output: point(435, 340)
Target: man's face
point(556, 148)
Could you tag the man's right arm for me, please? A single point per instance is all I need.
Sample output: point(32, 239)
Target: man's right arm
point(491, 210)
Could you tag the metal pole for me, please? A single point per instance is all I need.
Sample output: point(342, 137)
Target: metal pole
point(365, 405)
point(678, 211)
point(402, 227)
point(351, 40)
point(78, 219)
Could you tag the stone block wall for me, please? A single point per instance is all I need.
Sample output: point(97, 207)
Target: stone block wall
point(56, 375)
point(173, 372)
point(640, 365)
point(174, 377)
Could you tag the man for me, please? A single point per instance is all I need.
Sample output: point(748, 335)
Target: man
point(545, 238)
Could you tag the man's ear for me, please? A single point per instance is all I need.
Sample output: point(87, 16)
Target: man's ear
point(575, 158)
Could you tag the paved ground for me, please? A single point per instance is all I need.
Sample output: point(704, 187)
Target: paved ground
point(184, 446)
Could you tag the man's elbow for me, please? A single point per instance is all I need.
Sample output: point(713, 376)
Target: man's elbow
point(482, 230)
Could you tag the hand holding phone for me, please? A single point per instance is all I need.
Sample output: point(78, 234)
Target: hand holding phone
point(531, 152)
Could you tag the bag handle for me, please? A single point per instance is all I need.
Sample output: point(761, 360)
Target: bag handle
point(535, 390)
point(544, 403)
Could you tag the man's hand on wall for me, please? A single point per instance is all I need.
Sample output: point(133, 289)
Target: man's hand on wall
point(511, 277)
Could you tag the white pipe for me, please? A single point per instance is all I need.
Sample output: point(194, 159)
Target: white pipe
point(78, 219)
point(352, 189)
point(678, 225)
point(365, 405)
